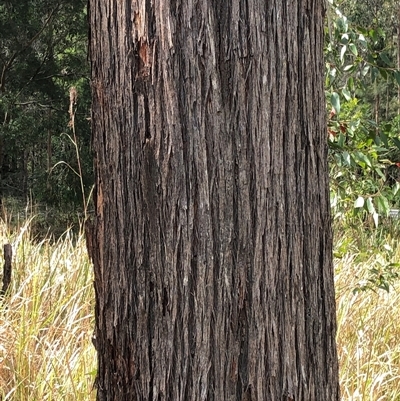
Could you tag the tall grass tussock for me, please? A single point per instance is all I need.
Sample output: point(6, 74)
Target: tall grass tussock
point(368, 313)
point(46, 317)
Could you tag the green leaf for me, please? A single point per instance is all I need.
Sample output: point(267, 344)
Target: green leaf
point(359, 202)
point(341, 140)
point(384, 139)
point(373, 34)
point(383, 205)
point(349, 67)
point(350, 83)
point(397, 76)
point(394, 265)
point(363, 31)
point(379, 172)
point(381, 32)
point(343, 52)
point(346, 158)
point(342, 24)
point(364, 158)
point(374, 73)
point(353, 49)
point(396, 188)
point(383, 73)
point(346, 94)
point(362, 40)
point(385, 59)
point(365, 70)
point(335, 102)
point(387, 127)
point(370, 205)
point(396, 142)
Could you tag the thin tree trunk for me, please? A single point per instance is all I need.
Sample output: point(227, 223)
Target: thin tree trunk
point(376, 111)
point(398, 56)
point(26, 157)
point(388, 97)
point(212, 243)
point(49, 153)
point(7, 268)
point(1, 169)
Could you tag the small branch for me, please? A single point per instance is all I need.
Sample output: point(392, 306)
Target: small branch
point(28, 103)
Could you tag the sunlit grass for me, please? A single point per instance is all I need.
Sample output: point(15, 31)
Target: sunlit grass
point(368, 321)
point(46, 320)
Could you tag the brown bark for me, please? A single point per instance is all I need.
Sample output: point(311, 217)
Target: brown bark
point(212, 242)
point(7, 268)
point(398, 55)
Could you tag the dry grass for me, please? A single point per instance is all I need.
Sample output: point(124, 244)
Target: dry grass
point(46, 321)
point(368, 326)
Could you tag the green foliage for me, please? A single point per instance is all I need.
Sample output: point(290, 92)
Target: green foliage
point(380, 277)
point(43, 52)
point(362, 129)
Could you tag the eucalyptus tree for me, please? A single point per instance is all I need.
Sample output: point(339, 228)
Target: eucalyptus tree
point(211, 243)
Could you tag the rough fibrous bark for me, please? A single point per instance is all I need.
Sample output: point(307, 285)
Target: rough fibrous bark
point(212, 240)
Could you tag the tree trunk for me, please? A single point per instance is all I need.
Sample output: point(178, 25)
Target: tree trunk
point(398, 56)
point(212, 243)
point(377, 105)
point(49, 154)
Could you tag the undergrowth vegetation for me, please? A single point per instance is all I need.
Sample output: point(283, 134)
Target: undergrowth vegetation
point(368, 310)
point(46, 317)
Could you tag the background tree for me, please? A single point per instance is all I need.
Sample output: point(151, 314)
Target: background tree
point(212, 240)
point(42, 54)
point(362, 83)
